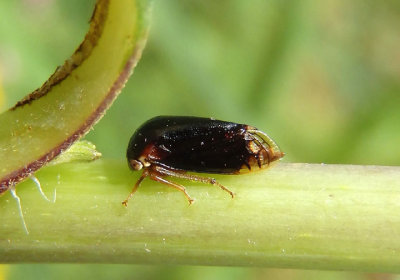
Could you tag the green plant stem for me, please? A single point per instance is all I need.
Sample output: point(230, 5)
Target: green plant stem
point(292, 215)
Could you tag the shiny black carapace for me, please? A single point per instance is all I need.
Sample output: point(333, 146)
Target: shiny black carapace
point(172, 145)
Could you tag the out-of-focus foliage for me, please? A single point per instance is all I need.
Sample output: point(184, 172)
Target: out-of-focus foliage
point(136, 272)
point(1, 90)
point(321, 77)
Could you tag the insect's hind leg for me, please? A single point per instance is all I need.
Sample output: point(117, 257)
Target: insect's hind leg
point(191, 177)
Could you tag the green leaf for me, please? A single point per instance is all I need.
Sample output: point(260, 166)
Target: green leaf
point(79, 151)
point(49, 120)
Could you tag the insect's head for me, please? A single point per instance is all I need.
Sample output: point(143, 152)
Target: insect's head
point(135, 164)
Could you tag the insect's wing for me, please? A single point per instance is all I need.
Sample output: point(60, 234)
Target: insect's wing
point(208, 150)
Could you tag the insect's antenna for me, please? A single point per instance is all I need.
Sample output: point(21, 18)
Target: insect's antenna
point(16, 197)
point(39, 186)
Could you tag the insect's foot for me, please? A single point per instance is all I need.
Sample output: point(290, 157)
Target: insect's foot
point(125, 203)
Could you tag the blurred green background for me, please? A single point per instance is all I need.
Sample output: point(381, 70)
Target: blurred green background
point(321, 77)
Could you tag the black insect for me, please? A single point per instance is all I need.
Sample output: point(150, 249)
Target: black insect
point(172, 145)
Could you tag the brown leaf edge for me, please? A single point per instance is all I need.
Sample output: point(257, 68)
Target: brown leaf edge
point(80, 55)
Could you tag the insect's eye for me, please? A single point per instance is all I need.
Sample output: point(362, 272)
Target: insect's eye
point(135, 164)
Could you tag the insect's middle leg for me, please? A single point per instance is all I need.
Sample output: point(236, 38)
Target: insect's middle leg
point(159, 178)
point(192, 177)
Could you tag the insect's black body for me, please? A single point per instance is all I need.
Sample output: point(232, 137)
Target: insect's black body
point(172, 145)
point(191, 144)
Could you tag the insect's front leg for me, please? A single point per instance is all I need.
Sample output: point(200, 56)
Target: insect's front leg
point(144, 175)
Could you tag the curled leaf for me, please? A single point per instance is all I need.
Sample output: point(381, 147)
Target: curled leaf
point(76, 96)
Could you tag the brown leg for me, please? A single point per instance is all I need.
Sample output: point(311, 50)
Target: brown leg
point(191, 177)
point(159, 178)
point(144, 175)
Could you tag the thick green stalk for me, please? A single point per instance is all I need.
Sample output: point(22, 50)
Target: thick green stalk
point(292, 215)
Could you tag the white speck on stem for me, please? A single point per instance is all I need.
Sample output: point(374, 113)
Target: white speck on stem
point(61, 106)
point(39, 186)
point(146, 249)
point(14, 194)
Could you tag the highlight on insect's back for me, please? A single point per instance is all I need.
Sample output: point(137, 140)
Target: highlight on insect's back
point(170, 146)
